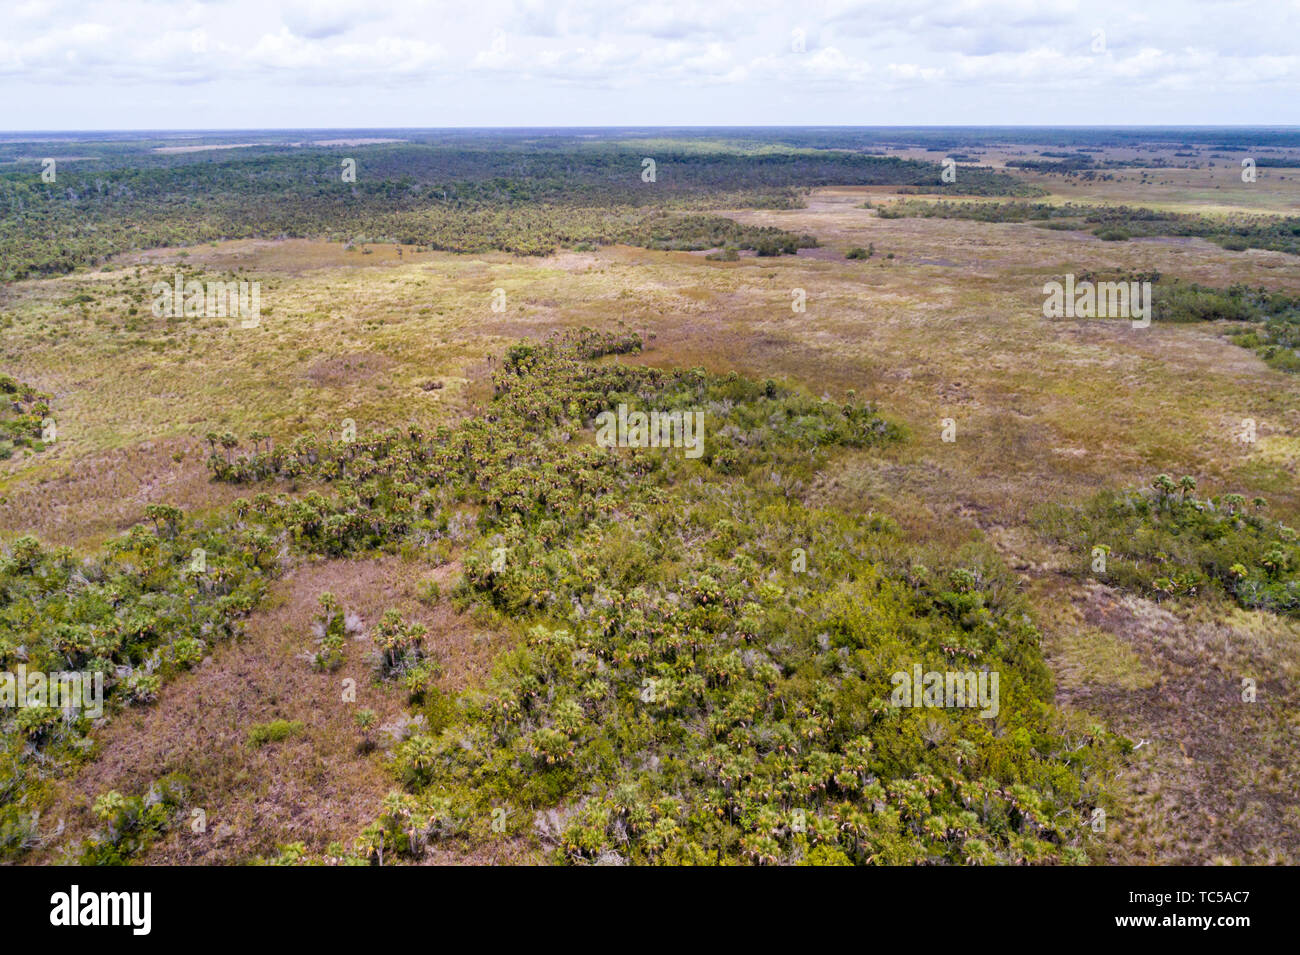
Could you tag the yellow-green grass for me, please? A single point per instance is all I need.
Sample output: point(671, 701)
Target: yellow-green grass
point(951, 327)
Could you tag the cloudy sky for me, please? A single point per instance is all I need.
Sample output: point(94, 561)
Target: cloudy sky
point(218, 64)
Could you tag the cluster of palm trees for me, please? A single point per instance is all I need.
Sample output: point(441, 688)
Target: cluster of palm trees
point(23, 410)
point(675, 671)
point(1180, 545)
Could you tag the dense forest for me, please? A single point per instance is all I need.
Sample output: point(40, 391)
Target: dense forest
point(526, 197)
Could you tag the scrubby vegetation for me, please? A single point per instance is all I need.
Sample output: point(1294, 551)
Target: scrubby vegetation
point(705, 669)
point(132, 823)
point(330, 628)
point(697, 653)
point(401, 654)
point(1274, 316)
point(23, 411)
point(1166, 542)
point(276, 731)
point(680, 232)
point(146, 607)
point(1116, 223)
point(1277, 342)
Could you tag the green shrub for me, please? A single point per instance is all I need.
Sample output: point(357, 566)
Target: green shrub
point(678, 686)
point(330, 628)
point(1166, 543)
point(275, 731)
point(130, 824)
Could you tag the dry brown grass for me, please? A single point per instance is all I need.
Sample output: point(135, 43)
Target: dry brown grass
point(1213, 778)
point(950, 327)
point(316, 787)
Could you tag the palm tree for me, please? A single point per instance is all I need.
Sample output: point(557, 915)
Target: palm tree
point(165, 517)
point(1164, 484)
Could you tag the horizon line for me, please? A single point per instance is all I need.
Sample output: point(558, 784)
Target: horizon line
point(643, 126)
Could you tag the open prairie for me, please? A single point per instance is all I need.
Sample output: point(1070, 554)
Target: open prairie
point(1007, 424)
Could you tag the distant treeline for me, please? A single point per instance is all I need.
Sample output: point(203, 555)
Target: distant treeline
point(1237, 233)
point(521, 196)
point(1081, 138)
point(1066, 163)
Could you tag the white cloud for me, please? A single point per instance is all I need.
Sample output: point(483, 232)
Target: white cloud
point(509, 60)
point(319, 19)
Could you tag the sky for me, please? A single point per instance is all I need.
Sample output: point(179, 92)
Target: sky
point(268, 64)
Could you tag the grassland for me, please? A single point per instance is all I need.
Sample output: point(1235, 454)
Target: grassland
point(944, 321)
